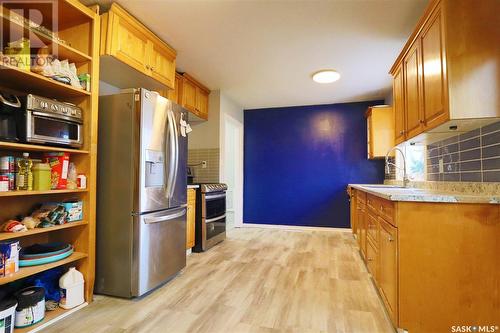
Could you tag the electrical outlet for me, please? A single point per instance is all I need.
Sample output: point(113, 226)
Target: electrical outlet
point(441, 166)
point(203, 164)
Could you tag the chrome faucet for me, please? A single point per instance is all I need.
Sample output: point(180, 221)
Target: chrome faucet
point(406, 180)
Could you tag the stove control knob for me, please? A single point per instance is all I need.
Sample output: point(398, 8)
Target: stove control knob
point(73, 112)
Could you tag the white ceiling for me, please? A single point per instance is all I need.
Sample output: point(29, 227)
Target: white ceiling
point(262, 53)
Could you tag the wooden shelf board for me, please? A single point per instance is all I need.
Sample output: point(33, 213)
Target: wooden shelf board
point(34, 83)
point(11, 235)
point(28, 271)
point(50, 318)
point(30, 147)
point(25, 193)
point(64, 51)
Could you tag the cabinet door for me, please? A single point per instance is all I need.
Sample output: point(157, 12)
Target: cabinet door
point(353, 211)
point(362, 230)
point(388, 267)
point(128, 43)
point(202, 103)
point(174, 94)
point(372, 260)
point(412, 87)
point(435, 97)
point(162, 65)
point(189, 95)
point(399, 105)
point(191, 216)
point(372, 231)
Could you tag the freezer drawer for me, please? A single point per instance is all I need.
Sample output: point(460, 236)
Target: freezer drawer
point(159, 248)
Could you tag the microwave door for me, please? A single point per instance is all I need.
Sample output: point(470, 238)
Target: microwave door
point(154, 156)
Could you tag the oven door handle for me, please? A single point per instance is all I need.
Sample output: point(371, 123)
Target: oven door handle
point(58, 116)
point(215, 219)
point(214, 196)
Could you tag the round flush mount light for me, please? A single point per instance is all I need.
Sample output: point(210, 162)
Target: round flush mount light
point(326, 76)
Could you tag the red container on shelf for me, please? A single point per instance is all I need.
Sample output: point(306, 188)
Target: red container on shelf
point(59, 163)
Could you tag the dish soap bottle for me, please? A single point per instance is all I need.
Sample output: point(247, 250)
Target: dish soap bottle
point(24, 179)
point(71, 284)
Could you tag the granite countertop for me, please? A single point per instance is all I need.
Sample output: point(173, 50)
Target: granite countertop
point(398, 193)
point(193, 186)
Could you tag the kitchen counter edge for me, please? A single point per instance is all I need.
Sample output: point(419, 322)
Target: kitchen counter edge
point(429, 196)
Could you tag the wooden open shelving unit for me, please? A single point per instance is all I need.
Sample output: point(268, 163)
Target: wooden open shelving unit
point(80, 27)
point(14, 235)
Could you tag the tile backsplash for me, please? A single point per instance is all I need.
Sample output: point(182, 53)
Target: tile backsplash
point(210, 174)
point(470, 157)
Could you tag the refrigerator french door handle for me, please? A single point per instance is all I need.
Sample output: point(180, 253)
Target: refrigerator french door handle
point(176, 152)
point(172, 157)
point(151, 220)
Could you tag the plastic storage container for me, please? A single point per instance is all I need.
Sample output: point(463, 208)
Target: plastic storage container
point(7, 312)
point(41, 176)
point(71, 284)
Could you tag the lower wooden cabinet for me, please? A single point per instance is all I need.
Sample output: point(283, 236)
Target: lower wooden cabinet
point(388, 273)
point(191, 216)
point(435, 264)
point(377, 239)
point(372, 258)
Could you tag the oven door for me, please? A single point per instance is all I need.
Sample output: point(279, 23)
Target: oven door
point(215, 204)
point(214, 221)
point(44, 128)
point(215, 227)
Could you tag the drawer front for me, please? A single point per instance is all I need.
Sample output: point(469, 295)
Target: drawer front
point(371, 202)
point(361, 196)
point(386, 210)
point(372, 259)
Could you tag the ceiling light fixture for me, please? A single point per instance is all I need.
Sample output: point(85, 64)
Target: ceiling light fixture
point(326, 76)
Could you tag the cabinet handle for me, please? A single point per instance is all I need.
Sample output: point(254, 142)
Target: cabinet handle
point(421, 121)
point(152, 68)
point(401, 132)
point(370, 259)
point(381, 208)
point(147, 67)
point(390, 239)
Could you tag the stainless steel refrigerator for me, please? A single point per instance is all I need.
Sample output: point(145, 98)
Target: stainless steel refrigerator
point(141, 193)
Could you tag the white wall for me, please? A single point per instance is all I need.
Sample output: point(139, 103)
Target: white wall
point(107, 89)
point(231, 158)
point(206, 134)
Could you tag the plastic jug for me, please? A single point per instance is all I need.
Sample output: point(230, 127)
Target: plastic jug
point(71, 284)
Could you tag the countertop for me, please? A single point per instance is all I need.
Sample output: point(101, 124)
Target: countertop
point(398, 193)
point(193, 186)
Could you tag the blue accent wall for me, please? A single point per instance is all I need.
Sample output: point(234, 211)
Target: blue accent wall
point(299, 160)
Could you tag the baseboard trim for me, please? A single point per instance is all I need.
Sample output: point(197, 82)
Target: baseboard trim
point(293, 227)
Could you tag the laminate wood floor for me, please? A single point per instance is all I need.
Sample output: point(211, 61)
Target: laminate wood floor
point(258, 280)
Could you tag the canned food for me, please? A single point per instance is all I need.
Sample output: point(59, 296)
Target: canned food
point(7, 164)
point(4, 183)
point(12, 180)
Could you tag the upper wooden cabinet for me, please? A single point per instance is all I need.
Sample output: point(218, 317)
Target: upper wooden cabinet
point(398, 105)
point(130, 43)
point(191, 94)
point(380, 125)
point(444, 75)
point(412, 76)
